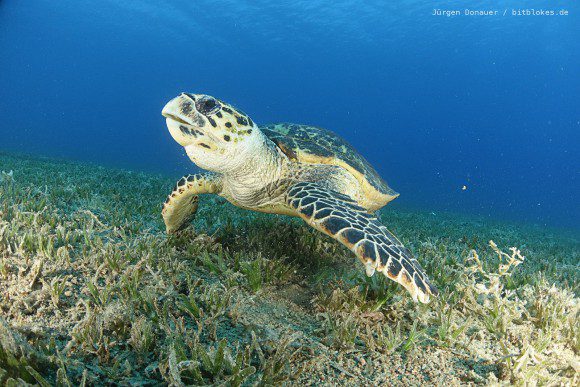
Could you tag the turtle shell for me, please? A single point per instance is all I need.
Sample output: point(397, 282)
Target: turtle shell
point(310, 144)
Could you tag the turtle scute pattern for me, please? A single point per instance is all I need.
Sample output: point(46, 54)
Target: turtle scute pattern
point(340, 217)
point(324, 144)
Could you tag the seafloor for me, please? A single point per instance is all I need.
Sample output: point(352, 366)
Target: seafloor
point(94, 292)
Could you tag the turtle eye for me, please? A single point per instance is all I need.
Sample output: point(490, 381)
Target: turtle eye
point(207, 105)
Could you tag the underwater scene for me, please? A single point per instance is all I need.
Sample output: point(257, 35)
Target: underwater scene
point(288, 193)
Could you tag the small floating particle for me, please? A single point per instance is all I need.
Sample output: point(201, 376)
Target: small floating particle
point(464, 188)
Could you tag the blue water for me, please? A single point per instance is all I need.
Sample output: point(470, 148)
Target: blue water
point(435, 103)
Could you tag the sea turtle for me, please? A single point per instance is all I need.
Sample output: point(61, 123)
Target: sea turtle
point(289, 169)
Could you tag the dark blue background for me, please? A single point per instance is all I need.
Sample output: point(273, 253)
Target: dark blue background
point(433, 102)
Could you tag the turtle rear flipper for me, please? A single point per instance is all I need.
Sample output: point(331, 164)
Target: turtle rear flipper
point(340, 217)
point(181, 205)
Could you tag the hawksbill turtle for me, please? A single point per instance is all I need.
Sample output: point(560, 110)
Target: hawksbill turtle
point(289, 169)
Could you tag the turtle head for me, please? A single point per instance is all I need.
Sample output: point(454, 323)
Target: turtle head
point(215, 135)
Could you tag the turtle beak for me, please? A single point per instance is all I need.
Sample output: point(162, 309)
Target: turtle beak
point(179, 132)
point(178, 123)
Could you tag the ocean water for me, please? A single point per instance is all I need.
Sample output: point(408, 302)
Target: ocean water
point(472, 114)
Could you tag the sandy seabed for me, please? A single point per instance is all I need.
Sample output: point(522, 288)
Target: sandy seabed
point(94, 292)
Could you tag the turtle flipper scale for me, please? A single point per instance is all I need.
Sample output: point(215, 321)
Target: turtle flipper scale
point(181, 205)
point(340, 217)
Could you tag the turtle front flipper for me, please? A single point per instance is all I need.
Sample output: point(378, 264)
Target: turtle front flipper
point(340, 217)
point(181, 205)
